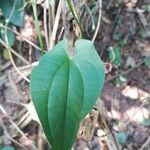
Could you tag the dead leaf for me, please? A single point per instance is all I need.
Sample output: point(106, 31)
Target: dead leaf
point(130, 62)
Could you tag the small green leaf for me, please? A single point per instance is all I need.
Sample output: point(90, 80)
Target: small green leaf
point(146, 122)
point(7, 148)
point(10, 36)
point(117, 36)
point(64, 90)
point(147, 61)
point(115, 55)
point(120, 80)
point(6, 54)
point(146, 7)
point(142, 33)
point(125, 41)
point(122, 137)
point(17, 15)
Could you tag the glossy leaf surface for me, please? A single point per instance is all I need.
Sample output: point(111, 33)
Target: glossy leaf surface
point(64, 90)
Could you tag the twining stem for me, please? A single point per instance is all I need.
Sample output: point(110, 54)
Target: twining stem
point(45, 26)
point(72, 9)
point(37, 25)
point(55, 25)
point(99, 21)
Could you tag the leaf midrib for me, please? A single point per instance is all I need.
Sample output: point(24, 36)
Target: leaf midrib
point(66, 59)
point(71, 61)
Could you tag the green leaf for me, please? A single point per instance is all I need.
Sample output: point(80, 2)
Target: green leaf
point(146, 122)
point(146, 7)
point(6, 54)
point(64, 90)
point(122, 137)
point(125, 41)
point(17, 15)
point(147, 61)
point(7, 148)
point(117, 36)
point(10, 36)
point(115, 55)
point(142, 33)
point(120, 80)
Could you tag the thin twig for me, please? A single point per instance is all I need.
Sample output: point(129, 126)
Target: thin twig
point(25, 116)
point(40, 139)
point(22, 37)
point(7, 43)
point(99, 21)
point(37, 25)
point(73, 11)
point(30, 54)
point(61, 33)
point(113, 54)
point(64, 12)
point(102, 121)
point(14, 124)
point(34, 64)
point(137, 110)
point(9, 137)
point(16, 68)
point(12, 61)
point(45, 25)
point(49, 25)
point(11, 13)
point(13, 51)
point(146, 144)
point(125, 72)
point(90, 13)
point(11, 121)
point(53, 11)
point(55, 27)
point(112, 30)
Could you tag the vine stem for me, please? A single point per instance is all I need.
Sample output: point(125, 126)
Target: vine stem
point(55, 26)
point(22, 37)
point(99, 21)
point(45, 25)
point(37, 25)
point(72, 9)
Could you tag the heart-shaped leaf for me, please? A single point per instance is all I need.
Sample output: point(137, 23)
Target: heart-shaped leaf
point(64, 90)
point(17, 15)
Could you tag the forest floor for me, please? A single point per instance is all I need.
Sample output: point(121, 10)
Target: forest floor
point(125, 33)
